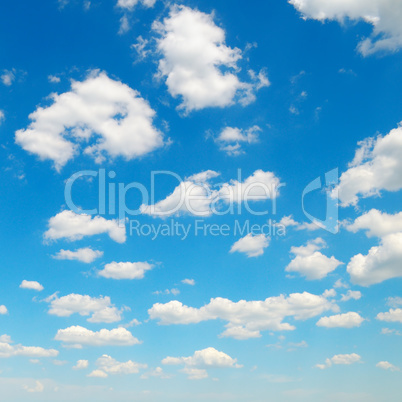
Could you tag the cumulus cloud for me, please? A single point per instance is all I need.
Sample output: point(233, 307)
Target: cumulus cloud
point(81, 365)
point(77, 337)
point(97, 374)
point(130, 4)
point(190, 282)
point(382, 262)
point(393, 315)
point(157, 372)
point(3, 309)
point(351, 294)
point(103, 116)
point(106, 364)
point(197, 63)
point(251, 245)
point(2, 116)
point(195, 366)
point(86, 255)
point(8, 77)
point(196, 195)
point(377, 166)
point(125, 270)
point(347, 320)
point(310, 262)
point(245, 319)
point(376, 223)
point(387, 366)
point(39, 387)
point(288, 221)
point(31, 285)
point(340, 359)
point(230, 139)
point(99, 309)
point(72, 226)
point(7, 349)
point(383, 15)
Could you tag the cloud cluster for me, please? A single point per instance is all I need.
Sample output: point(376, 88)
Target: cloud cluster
point(107, 365)
point(195, 366)
point(197, 63)
point(384, 15)
point(310, 262)
point(245, 319)
point(100, 309)
point(7, 349)
point(72, 226)
point(230, 139)
point(196, 195)
point(346, 359)
point(103, 116)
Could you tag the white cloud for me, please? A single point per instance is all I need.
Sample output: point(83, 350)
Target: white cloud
point(157, 372)
point(393, 315)
point(388, 331)
point(197, 196)
point(130, 4)
point(376, 223)
point(231, 138)
point(246, 318)
point(387, 366)
point(190, 282)
point(8, 77)
point(53, 79)
point(99, 309)
point(78, 336)
point(39, 387)
point(111, 366)
point(377, 166)
point(340, 359)
point(3, 309)
point(384, 15)
point(196, 364)
point(97, 374)
point(81, 365)
point(31, 285)
point(98, 108)
point(86, 255)
point(167, 292)
point(394, 301)
point(2, 116)
point(251, 245)
point(72, 226)
point(347, 320)
point(382, 262)
point(351, 294)
point(9, 350)
point(125, 270)
point(288, 221)
point(311, 263)
point(194, 55)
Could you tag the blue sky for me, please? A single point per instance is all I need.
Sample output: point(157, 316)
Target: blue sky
point(281, 93)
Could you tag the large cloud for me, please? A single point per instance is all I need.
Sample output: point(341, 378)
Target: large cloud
point(100, 309)
point(72, 226)
point(246, 318)
point(77, 337)
point(377, 166)
point(376, 223)
point(384, 15)
point(196, 195)
point(103, 116)
point(197, 63)
point(381, 263)
point(310, 262)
